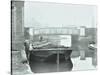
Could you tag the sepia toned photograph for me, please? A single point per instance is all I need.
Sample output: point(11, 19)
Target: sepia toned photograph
point(52, 37)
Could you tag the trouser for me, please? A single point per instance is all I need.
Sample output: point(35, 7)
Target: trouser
point(27, 54)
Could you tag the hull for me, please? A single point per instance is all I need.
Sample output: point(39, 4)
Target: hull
point(50, 56)
point(48, 63)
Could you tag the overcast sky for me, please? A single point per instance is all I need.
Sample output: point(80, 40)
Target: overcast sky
point(51, 14)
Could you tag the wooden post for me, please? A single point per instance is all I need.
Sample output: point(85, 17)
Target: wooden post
point(82, 43)
point(57, 61)
point(82, 55)
point(94, 58)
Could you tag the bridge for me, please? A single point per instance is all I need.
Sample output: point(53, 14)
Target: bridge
point(56, 31)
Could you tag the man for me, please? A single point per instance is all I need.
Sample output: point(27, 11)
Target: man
point(26, 52)
point(92, 45)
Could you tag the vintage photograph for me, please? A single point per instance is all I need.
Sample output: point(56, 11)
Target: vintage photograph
point(52, 37)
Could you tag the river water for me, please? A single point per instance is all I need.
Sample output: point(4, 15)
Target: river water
point(74, 65)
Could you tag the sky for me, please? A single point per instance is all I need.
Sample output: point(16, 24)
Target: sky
point(42, 14)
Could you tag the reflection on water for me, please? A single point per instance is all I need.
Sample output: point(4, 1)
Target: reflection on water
point(50, 64)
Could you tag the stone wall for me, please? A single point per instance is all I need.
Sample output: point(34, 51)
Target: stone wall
point(17, 24)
